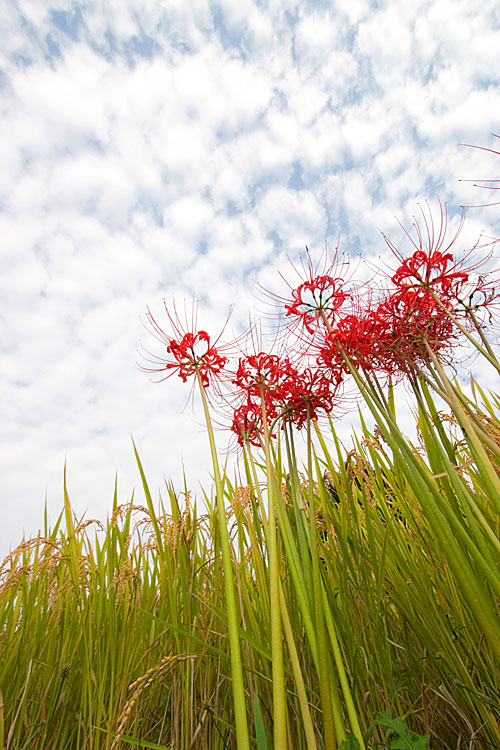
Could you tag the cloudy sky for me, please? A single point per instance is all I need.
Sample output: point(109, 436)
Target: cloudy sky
point(153, 148)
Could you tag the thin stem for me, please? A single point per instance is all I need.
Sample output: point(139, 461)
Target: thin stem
point(481, 333)
point(279, 698)
point(297, 673)
point(330, 729)
point(242, 736)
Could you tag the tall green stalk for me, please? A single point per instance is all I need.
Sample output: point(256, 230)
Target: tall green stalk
point(242, 736)
point(324, 676)
point(279, 697)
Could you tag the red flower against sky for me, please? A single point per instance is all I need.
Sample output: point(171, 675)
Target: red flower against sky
point(412, 321)
point(319, 294)
point(432, 265)
point(437, 279)
point(316, 300)
point(361, 337)
point(284, 390)
point(193, 353)
point(307, 394)
point(261, 373)
point(390, 337)
point(247, 424)
point(431, 270)
point(188, 352)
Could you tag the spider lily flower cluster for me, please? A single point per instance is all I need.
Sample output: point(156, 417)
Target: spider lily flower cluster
point(421, 310)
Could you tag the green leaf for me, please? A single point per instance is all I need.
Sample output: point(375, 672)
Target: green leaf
point(410, 741)
point(368, 734)
point(384, 720)
point(350, 743)
point(259, 726)
point(404, 739)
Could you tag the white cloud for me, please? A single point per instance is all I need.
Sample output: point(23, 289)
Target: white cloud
point(316, 40)
point(386, 38)
point(354, 10)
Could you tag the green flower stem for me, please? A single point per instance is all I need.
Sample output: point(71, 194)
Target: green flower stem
point(332, 634)
point(344, 683)
point(242, 736)
point(279, 698)
point(330, 730)
point(295, 563)
point(297, 673)
point(248, 455)
point(299, 515)
point(287, 627)
point(482, 335)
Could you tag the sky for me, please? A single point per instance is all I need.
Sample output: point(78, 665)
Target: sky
point(154, 149)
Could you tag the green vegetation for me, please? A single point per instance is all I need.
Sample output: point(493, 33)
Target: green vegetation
point(123, 633)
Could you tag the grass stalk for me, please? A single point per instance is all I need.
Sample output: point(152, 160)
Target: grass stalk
point(242, 735)
point(331, 729)
point(279, 697)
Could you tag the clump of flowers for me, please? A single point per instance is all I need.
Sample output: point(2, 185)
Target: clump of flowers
point(360, 337)
point(417, 312)
point(308, 396)
point(431, 266)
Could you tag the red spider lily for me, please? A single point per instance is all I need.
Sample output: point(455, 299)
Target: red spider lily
point(316, 300)
point(263, 373)
point(432, 265)
point(189, 352)
point(308, 394)
point(390, 338)
point(360, 337)
point(247, 424)
point(455, 285)
point(430, 270)
point(265, 377)
point(286, 393)
point(413, 320)
point(319, 295)
point(189, 357)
